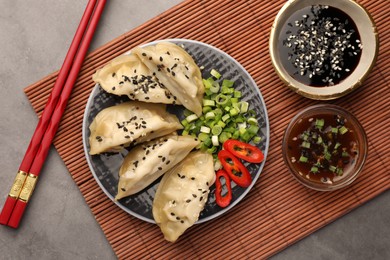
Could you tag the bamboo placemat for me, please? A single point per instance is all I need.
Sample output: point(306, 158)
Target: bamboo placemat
point(278, 211)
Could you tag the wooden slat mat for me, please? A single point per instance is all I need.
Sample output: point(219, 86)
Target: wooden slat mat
point(278, 211)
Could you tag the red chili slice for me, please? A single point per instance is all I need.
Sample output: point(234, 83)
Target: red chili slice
point(244, 151)
point(235, 169)
point(223, 200)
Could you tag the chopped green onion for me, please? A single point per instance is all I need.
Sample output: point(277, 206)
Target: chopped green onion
point(225, 117)
point(233, 112)
point(335, 130)
point(244, 107)
point(207, 83)
point(224, 136)
point(221, 124)
point(221, 99)
point(191, 118)
point(253, 129)
point(314, 169)
point(305, 144)
point(207, 102)
point(257, 139)
point(343, 130)
point(227, 83)
point(252, 121)
point(210, 115)
point(327, 156)
point(205, 129)
point(203, 137)
point(339, 171)
point(305, 136)
point(214, 140)
point(332, 168)
point(216, 130)
point(184, 122)
point(319, 123)
point(206, 109)
point(237, 94)
point(345, 154)
point(215, 73)
point(217, 165)
point(303, 159)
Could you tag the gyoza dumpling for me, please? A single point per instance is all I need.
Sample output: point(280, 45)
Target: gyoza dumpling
point(176, 69)
point(148, 161)
point(131, 122)
point(127, 75)
point(182, 194)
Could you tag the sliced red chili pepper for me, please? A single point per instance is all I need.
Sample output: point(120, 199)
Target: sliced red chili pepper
point(223, 200)
point(235, 169)
point(245, 151)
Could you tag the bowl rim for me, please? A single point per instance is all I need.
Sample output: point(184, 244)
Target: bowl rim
point(301, 88)
point(363, 145)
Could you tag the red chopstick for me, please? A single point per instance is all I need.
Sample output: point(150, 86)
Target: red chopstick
point(45, 117)
point(39, 146)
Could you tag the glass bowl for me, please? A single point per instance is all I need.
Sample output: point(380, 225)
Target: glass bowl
point(324, 147)
point(368, 46)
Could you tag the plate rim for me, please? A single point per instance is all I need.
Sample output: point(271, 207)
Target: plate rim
point(266, 119)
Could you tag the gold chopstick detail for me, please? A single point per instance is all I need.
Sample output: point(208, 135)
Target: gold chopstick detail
point(18, 184)
point(28, 187)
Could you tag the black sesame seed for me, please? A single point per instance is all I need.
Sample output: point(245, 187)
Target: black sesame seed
point(113, 74)
point(159, 168)
point(143, 54)
point(188, 201)
point(161, 58)
point(123, 189)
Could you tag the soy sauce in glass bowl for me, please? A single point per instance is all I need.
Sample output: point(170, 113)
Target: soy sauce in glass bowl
point(324, 147)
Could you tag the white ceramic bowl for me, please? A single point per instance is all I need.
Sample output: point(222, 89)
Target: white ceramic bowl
point(369, 39)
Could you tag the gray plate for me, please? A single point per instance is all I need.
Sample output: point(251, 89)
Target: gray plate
point(105, 167)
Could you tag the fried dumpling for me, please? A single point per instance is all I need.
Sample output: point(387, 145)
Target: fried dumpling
point(131, 122)
point(177, 71)
point(182, 194)
point(127, 75)
point(148, 161)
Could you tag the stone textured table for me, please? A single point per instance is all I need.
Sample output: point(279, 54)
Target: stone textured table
point(35, 36)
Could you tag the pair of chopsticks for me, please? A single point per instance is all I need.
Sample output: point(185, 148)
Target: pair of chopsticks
point(46, 129)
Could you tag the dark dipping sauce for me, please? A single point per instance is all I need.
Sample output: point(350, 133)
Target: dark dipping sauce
point(319, 46)
point(323, 148)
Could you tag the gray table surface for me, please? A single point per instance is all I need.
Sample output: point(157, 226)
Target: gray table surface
point(34, 38)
